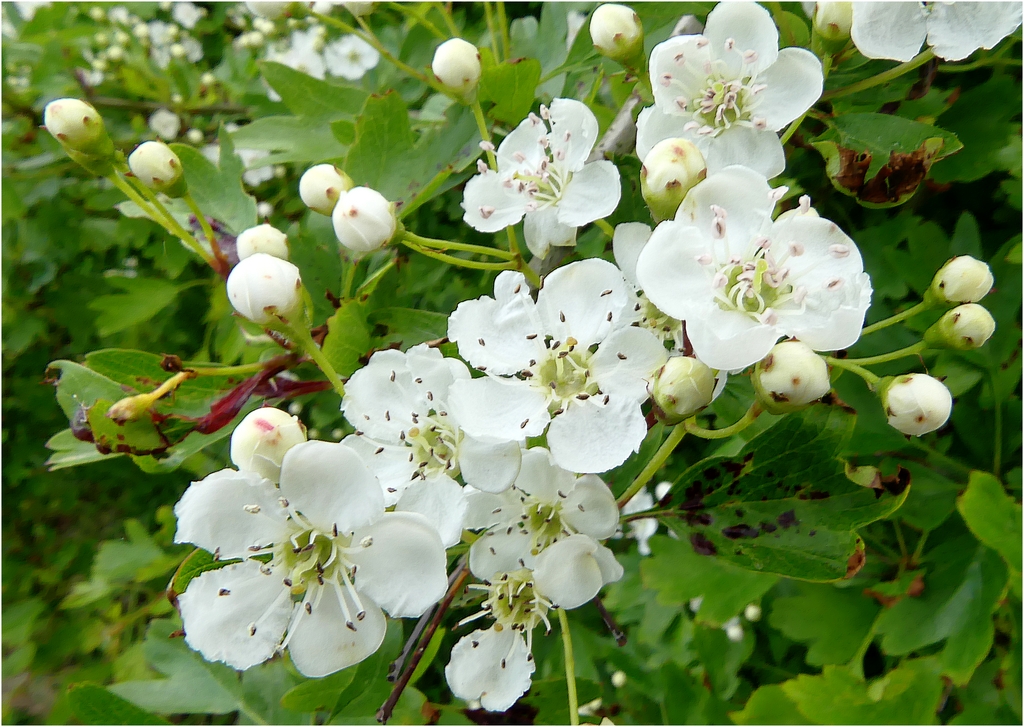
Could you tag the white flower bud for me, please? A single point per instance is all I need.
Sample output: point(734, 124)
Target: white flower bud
point(195, 136)
point(207, 79)
point(101, 39)
point(916, 403)
point(671, 168)
point(790, 377)
point(457, 65)
point(965, 327)
point(121, 37)
point(178, 51)
point(752, 612)
point(267, 9)
point(364, 220)
point(264, 209)
point(962, 280)
point(97, 13)
point(619, 679)
point(165, 124)
point(733, 629)
point(261, 440)
point(75, 124)
point(115, 53)
point(833, 20)
point(262, 238)
point(683, 387)
point(264, 288)
point(263, 26)
point(99, 65)
point(295, 408)
point(321, 186)
point(141, 31)
point(156, 166)
point(358, 9)
point(617, 32)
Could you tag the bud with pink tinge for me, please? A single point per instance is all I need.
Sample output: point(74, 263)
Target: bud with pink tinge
point(265, 289)
point(261, 440)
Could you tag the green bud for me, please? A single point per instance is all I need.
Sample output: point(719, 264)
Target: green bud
point(79, 129)
point(961, 280)
point(963, 328)
point(833, 20)
point(617, 33)
point(670, 169)
point(682, 388)
point(155, 165)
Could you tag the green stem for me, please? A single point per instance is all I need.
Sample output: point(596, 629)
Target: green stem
point(300, 335)
point(503, 28)
point(448, 19)
point(948, 461)
point(530, 273)
point(656, 463)
point(443, 245)
point(370, 284)
point(425, 193)
point(902, 316)
point(984, 62)
point(752, 413)
point(911, 350)
point(919, 60)
point(513, 243)
point(241, 369)
point(492, 31)
point(457, 261)
point(997, 444)
point(606, 227)
point(207, 228)
point(900, 540)
point(792, 128)
point(485, 134)
point(919, 550)
point(857, 662)
point(841, 363)
point(570, 668)
point(407, 10)
point(350, 277)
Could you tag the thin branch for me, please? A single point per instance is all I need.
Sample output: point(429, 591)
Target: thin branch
point(618, 634)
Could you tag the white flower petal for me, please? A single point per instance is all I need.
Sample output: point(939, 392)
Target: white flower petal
point(584, 300)
point(567, 571)
point(490, 666)
point(432, 374)
point(832, 321)
point(593, 193)
point(760, 151)
point(889, 30)
point(491, 205)
point(219, 607)
point(403, 569)
point(489, 465)
point(484, 509)
point(322, 643)
point(955, 30)
point(626, 361)
point(744, 194)
point(750, 26)
point(627, 242)
point(502, 323)
point(522, 151)
point(673, 75)
point(441, 501)
point(503, 409)
point(611, 569)
point(590, 508)
point(591, 437)
point(380, 398)
point(540, 477)
point(330, 485)
point(389, 462)
point(499, 551)
point(542, 230)
point(212, 514)
point(729, 340)
point(794, 83)
point(669, 272)
point(654, 125)
point(573, 131)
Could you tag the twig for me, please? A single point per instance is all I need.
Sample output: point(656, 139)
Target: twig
point(384, 713)
point(618, 634)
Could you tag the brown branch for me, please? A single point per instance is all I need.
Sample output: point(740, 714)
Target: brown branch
point(618, 634)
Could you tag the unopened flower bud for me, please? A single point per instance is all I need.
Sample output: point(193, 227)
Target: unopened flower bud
point(207, 79)
point(262, 238)
point(156, 166)
point(178, 51)
point(141, 31)
point(264, 288)
point(261, 440)
point(97, 13)
point(115, 53)
point(321, 186)
point(195, 136)
point(733, 629)
point(364, 220)
point(790, 377)
point(916, 403)
point(671, 168)
point(617, 33)
point(101, 39)
point(456, 64)
point(833, 20)
point(76, 125)
point(619, 679)
point(962, 280)
point(965, 327)
point(683, 387)
point(752, 612)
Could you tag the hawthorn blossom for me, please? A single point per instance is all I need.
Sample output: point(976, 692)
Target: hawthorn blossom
point(627, 242)
point(572, 360)
point(953, 30)
point(496, 665)
point(336, 559)
point(187, 14)
point(545, 505)
point(350, 57)
point(543, 174)
point(741, 281)
point(729, 90)
point(303, 53)
point(405, 433)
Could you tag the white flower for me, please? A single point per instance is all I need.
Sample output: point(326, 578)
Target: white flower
point(262, 439)
point(733, 629)
point(627, 242)
point(331, 545)
point(572, 359)
point(916, 404)
point(350, 57)
point(643, 529)
point(118, 15)
point(741, 281)
point(303, 53)
point(543, 174)
point(187, 14)
point(252, 177)
point(270, 10)
point(729, 90)
point(165, 124)
point(953, 30)
point(398, 404)
point(546, 505)
point(574, 22)
point(495, 665)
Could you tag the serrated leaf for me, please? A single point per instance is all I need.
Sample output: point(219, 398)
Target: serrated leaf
point(312, 97)
point(293, 138)
point(511, 87)
point(348, 338)
point(769, 705)
point(408, 326)
point(140, 300)
point(217, 189)
point(196, 563)
point(69, 451)
point(993, 517)
point(783, 505)
point(315, 695)
point(92, 704)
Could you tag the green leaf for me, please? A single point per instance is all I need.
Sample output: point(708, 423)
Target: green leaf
point(311, 97)
point(909, 694)
point(293, 138)
point(769, 705)
point(679, 575)
point(69, 451)
point(722, 658)
point(993, 516)
point(92, 704)
point(217, 189)
point(196, 563)
point(549, 697)
point(814, 614)
point(408, 326)
point(140, 300)
point(784, 504)
point(316, 695)
point(348, 337)
point(511, 87)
